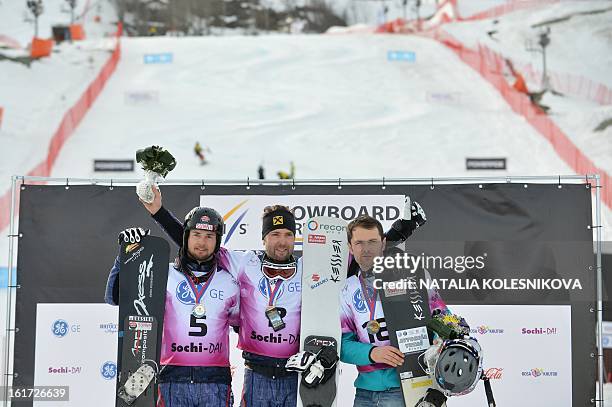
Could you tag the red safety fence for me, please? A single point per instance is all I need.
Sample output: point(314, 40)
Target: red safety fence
point(568, 84)
point(447, 12)
point(9, 42)
point(69, 123)
point(490, 66)
point(509, 7)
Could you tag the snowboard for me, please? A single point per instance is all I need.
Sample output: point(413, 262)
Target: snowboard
point(142, 296)
point(324, 265)
point(406, 314)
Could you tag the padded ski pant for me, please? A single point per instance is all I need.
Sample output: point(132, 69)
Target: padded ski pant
point(175, 394)
point(387, 398)
point(263, 391)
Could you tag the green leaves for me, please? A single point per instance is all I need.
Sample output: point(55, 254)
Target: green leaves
point(156, 159)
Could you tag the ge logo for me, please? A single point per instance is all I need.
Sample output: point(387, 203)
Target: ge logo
point(60, 328)
point(358, 301)
point(108, 370)
point(184, 293)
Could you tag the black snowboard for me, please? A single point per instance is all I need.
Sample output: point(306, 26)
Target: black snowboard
point(406, 315)
point(143, 278)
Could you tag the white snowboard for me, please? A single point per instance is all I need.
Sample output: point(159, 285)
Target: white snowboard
point(325, 262)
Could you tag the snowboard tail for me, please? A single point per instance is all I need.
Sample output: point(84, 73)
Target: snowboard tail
point(142, 296)
point(324, 393)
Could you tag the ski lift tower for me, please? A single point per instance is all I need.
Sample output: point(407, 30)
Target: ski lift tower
point(543, 42)
point(36, 7)
point(72, 4)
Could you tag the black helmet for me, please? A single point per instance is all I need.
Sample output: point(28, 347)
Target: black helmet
point(202, 218)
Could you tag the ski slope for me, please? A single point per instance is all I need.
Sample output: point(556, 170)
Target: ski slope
point(308, 99)
point(277, 99)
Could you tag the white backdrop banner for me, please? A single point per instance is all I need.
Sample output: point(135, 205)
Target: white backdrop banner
point(76, 346)
point(527, 354)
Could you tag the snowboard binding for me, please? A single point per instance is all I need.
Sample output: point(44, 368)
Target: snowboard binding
point(138, 382)
point(316, 368)
point(433, 398)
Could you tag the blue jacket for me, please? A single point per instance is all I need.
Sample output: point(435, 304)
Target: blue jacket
point(358, 353)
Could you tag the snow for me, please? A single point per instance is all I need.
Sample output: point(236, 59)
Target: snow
point(471, 7)
point(247, 101)
point(578, 119)
point(17, 22)
point(581, 45)
point(35, 98)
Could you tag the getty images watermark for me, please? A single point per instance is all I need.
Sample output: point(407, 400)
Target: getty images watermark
point(458, 264)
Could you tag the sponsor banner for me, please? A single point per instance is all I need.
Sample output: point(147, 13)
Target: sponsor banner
point(513, 338)
point(485, 163)
point(163, 58)
point(113, 165)
point(141, 98)
point(76, 346)
point(521, 373)
point(401, 56)
point(242, 213)
point(447, 98)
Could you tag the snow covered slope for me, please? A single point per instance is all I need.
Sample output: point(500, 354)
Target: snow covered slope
point(580, 54)
point(276, 99)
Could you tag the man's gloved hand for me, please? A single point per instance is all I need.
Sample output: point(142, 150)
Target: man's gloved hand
point(300, 361)
point(414, 213)
point(132, 235)
point(414, 217)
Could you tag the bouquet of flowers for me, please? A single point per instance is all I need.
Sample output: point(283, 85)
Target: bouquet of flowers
point(157, 162)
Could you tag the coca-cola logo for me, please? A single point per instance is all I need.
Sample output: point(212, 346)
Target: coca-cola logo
point(494, 373)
